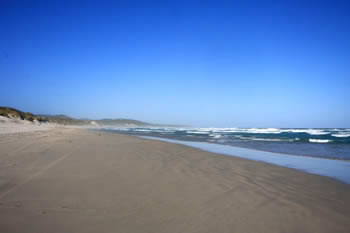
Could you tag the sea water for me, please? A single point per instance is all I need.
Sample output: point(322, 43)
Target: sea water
point(325, 143)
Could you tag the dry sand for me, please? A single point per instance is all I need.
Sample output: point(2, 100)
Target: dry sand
point(75, 180)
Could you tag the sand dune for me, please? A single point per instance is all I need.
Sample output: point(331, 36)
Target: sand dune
point(75, 180)
point(15, 125)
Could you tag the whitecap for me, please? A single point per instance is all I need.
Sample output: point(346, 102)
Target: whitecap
point(319, 140)
point(142, 130)
point(340, 135)
point(197, 132)
point(308, 131)
point(249, 130)
point(317, 132)
point(270, 139)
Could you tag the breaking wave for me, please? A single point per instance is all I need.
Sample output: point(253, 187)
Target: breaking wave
point(319, 140)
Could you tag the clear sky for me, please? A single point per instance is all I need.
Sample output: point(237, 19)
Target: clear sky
point(200, 63)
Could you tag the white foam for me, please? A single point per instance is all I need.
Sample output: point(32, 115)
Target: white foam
point(267, 139)
point(319, 140)
point(247, 130)
point(266, 131)
point(143, 130)
point(308, 131)
point(341, 135)
point(317, 132)
point(271, 131)
point(197, 132)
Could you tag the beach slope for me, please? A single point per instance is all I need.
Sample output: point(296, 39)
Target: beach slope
point(75, 180)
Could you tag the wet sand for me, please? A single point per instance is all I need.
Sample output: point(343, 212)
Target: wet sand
point(75, 180)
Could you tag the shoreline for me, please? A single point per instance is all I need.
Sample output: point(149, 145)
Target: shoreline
point(223, 144)
point(337, 155)
point(325, 167)
point(80, 180)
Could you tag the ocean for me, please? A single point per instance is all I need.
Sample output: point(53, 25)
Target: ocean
point(323, 143)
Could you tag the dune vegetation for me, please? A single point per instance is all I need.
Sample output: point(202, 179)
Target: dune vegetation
point(66, 120)
point(14, 113)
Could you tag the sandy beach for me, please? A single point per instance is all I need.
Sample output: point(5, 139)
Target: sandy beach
point(76, 180)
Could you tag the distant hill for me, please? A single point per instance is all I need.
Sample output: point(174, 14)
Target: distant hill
point(124, 122)
point(64, 119)
point(54, 116)
point(67, 120)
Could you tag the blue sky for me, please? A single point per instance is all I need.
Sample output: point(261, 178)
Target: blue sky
point(201, 63)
